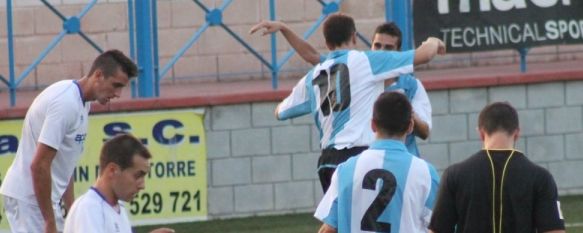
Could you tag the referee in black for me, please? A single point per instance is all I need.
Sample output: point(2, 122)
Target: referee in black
point(497, 190)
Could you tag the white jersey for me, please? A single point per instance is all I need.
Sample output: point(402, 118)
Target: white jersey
point(340, 93)
point(57, 118)
point(415, 92)
point(384, 189)
point(92, 214)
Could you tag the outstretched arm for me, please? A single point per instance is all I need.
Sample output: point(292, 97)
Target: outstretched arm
point(428, 49)
point(305, 50)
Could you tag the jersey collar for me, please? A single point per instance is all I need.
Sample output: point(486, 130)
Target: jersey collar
point(337, 53)
point(388, 144)
point(80, 91)
point(116, 207)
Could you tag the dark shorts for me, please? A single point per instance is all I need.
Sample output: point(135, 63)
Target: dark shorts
point(329, 160)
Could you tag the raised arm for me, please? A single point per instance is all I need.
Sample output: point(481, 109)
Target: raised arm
point(305, 50)
point(428, 49)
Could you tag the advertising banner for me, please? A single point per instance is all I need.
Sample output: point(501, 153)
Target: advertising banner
point(176, 187)
point(468, 25)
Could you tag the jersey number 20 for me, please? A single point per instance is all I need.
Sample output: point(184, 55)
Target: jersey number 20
point(334, 88)
point(369, 220)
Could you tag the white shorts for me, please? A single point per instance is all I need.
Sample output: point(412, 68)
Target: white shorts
point(24, 217)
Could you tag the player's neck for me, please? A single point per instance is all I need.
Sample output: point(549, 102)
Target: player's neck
point(345, 46)
point(499, 141)
point(84, 85)
point(382, 136)
point(106, 192)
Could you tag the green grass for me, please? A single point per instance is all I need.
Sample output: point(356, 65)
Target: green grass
point(296, 223)
point(572, 207)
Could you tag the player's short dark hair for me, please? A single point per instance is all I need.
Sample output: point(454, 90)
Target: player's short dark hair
point(498, 116)
point(392, 113)
point(112, 60)
point(391, 29)
point(120, 150)
point(338, 29)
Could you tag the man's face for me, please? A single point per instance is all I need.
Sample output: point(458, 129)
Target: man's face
point(128, 182)
point(110, 87)
point(382, 41)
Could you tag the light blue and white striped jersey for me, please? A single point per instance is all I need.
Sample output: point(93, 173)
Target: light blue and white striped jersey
point(384, 189)
point(340, 93)
point(415, 92)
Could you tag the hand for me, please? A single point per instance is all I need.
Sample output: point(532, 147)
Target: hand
point(163, 230)
point(268, 26)
point(50, 227)
point(440, 44)
point(440, 47)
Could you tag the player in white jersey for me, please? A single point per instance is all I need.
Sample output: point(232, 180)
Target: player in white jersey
point(386, 188)
point(124, 163)
point(53, 134)
point(387, 36)
point(340, 91)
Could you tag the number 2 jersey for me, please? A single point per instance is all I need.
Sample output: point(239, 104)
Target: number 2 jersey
point(384, 189)
point(340, 93)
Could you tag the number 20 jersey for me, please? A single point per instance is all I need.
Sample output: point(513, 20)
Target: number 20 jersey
point(384, 189)
point(340, 93)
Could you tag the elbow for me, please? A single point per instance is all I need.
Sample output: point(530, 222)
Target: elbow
point(423, 135)
point(38, 169)
point(423, 58)
point(276, 113)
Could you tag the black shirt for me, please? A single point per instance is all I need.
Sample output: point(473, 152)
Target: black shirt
point(466, 196)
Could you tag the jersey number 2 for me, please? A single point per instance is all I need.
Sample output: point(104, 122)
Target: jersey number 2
point(369, 220)
point(334, 88)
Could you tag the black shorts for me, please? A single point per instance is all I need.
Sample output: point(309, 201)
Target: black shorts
point(329, 160)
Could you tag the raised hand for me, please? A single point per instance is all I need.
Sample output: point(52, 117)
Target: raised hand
point(267, 26)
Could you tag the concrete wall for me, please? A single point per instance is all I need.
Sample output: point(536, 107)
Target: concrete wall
point(216, 55)
point(260, 166)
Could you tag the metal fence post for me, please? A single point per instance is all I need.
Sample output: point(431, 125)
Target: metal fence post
point(400, 12)
point(144, 48)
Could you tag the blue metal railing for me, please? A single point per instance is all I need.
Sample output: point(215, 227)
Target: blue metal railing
point(143, 41)
point(71, 25)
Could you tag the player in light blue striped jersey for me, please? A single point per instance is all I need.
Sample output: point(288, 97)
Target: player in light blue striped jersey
point(341, 90)
point(386, 188)
point(387, 36)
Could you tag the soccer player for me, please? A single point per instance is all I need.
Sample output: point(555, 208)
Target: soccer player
point(340, 91)
point(497, 189)
point(53, 134)
point(387, 36)
point(386, 188)
point(124, 163)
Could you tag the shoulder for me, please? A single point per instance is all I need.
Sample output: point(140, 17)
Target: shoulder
point(61, 92)
point(86, 205)
point(467, 165)
point(88, 200)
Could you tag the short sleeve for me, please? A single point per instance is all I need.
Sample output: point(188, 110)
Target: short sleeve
point(82, 218)
point(547, 212)
point(299, 102)
point(432, 195)
point(444, 216)
point(327, 210)
point(59, 118)
point(421, 104)
point(390, 64)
